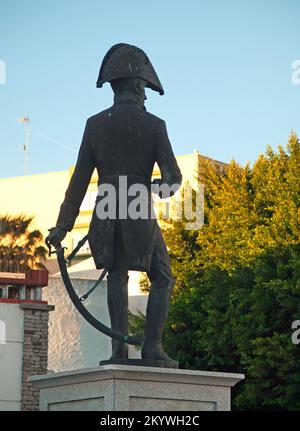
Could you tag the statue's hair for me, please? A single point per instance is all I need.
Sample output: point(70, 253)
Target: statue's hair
point(133, 85)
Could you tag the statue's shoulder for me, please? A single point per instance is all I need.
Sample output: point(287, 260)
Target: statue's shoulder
point(103, 116)
point(94, 119)
point(153, 118)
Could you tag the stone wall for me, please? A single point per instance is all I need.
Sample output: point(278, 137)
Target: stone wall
point(35, 350)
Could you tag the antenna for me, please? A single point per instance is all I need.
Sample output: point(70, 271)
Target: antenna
point(26, 120)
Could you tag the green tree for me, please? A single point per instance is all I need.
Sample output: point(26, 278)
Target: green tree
point(237, 279)
point(250, 211)
point(241, 322)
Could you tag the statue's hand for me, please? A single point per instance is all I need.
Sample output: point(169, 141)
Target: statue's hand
point(155, 187)
point(56, 235)
point(157, 181)
point(163, 193)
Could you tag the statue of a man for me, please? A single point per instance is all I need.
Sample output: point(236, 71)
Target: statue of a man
point(126, 140)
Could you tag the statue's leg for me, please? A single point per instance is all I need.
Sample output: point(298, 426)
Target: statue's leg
point(117, 296)
point(162, 283)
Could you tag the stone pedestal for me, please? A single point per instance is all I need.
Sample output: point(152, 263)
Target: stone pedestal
point(127, 388)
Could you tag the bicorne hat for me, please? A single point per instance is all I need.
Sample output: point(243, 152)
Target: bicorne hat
point(128, 61)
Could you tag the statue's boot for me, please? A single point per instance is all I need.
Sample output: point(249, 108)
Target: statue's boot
point(157, 310)
point(117, 300)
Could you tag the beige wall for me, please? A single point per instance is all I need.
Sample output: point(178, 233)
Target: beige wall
point(38, 195)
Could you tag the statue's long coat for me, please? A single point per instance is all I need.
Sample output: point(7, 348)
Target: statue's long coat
point(122, 140)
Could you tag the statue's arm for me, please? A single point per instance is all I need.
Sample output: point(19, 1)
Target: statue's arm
point(169, 169)
point(79, 182)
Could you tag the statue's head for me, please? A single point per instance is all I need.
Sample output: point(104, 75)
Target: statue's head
point(128, 68)
point(129, 89)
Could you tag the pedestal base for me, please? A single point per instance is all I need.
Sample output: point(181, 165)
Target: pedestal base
point(126, 388)
point(137, 363)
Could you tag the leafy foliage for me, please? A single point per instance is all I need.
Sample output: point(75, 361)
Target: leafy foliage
point(241, 322)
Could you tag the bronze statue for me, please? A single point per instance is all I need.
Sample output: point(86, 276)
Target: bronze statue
point(126, 140)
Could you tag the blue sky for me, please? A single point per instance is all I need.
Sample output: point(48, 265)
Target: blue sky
point(225, 66)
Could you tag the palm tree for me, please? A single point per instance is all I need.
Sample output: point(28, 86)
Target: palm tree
point(20, 247)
